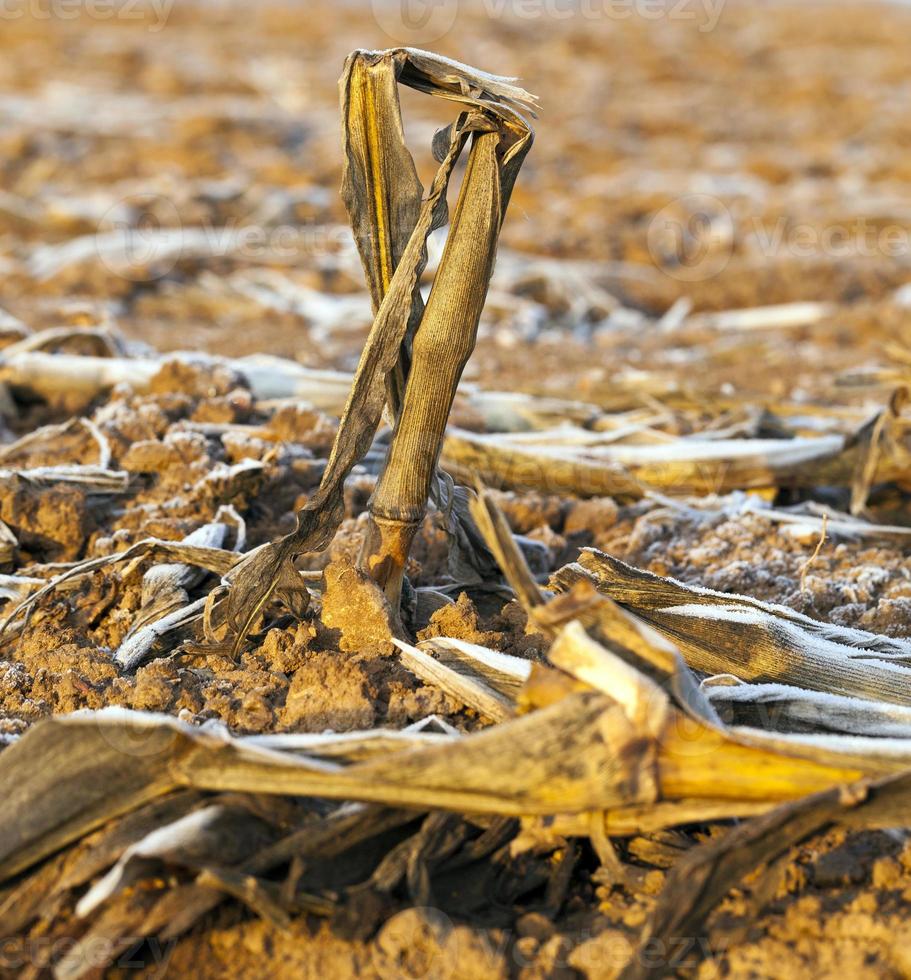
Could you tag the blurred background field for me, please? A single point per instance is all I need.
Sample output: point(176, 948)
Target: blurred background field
point(174, 170)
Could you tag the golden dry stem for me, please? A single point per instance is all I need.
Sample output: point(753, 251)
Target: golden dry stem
point(385, 552)
point(442, 345)
point(391, 223)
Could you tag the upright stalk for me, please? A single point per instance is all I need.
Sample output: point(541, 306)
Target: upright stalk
point(442, 345)
point(413, 357)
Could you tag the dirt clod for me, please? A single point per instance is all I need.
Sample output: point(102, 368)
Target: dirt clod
point(357, 608)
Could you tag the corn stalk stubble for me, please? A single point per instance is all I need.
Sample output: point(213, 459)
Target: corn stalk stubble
point(413, 358)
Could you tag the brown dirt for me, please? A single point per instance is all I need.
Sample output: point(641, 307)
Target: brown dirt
point(785, 116)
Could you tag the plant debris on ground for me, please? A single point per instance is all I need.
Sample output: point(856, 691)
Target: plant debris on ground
point(630, 698)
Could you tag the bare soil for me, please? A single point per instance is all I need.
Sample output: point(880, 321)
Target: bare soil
point(791, 120)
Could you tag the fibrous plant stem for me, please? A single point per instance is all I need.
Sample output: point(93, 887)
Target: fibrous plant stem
point(413, 357)
point(442, 345)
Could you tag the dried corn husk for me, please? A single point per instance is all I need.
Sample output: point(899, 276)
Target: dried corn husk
point(719, 633)
point(616, 742)
point(574, 461)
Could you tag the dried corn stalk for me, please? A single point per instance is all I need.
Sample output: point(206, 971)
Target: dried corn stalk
point(601, 736)
point(573, 460)
point(50, 374)
point(166, 606)
point(33, 591)
point(413, 357)
point(720, 633)
point(613, 742)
